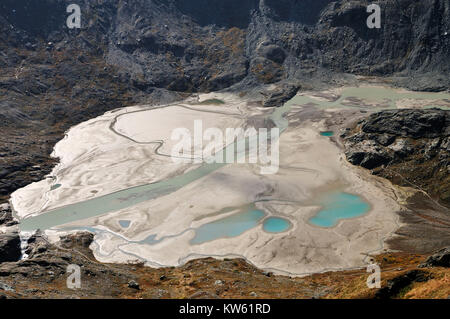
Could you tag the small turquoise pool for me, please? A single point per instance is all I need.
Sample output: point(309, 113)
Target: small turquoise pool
point(338, 206)
point(276, 225)
point(231, 226)
point(56, 186)
point(124, 223)
point(327, 133)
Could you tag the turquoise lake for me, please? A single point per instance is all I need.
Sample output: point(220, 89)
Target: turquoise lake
point(276, 225)
point(231, 226)
point(327, 133)
point(338, 206)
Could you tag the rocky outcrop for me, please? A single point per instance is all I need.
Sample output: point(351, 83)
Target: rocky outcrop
point(280, 95)
point(80, 241)
point(9, 246)
point(439, 259)
point(44, 257)
point(6, 217)
point(410, 147)
point(415, 124)
point(9, 236)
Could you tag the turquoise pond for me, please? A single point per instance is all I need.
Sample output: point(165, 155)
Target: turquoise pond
point(125, 223)
point(338, 206)
point(227, 227)
point(276, 225)
point(56, 186)
point(327, 133)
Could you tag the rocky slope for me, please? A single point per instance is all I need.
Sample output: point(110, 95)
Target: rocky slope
point(204, 45)
point(410, 148)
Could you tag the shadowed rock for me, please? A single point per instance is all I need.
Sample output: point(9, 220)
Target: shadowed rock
point(409, 123)
point(439, 259)
point(10, 246)
point(409, 147)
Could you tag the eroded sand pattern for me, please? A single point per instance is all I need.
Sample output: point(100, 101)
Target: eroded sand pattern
point(116, 168)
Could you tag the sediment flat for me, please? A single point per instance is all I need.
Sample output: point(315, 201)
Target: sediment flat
point(130, 147)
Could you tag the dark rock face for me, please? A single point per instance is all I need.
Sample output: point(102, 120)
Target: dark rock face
point(409, 147)
point(232, 13)
point(440, 259)
point(6, 218)
point(10, 246)
point(406, 123)
point(368, 159)
point(9, 237)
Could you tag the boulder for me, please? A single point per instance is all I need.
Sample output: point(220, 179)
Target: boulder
point(281, 95)
point(133, 285)
point(439, 259)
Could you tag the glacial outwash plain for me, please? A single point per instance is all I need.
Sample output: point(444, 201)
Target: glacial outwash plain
point(120, 150)
point(116, 179)
point(88, 175)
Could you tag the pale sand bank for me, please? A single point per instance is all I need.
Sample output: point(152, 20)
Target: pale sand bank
point(95, 161)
